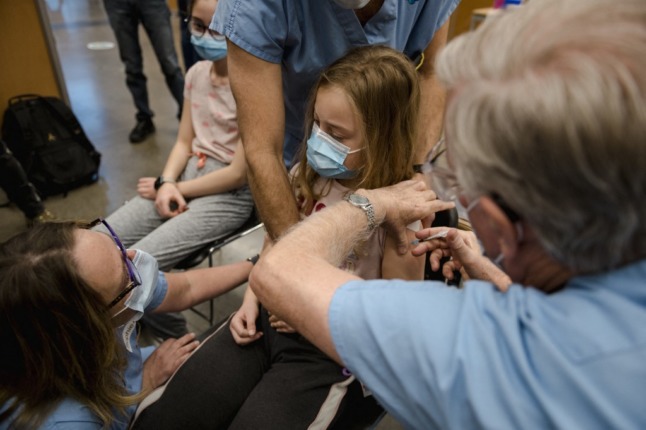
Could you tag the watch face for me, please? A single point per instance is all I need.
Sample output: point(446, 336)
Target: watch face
point(358, 199)
point(158, 182)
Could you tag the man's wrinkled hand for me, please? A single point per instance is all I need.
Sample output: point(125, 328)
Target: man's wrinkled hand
point(401, 204)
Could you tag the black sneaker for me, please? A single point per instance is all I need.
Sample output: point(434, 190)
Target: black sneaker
point(142, 130)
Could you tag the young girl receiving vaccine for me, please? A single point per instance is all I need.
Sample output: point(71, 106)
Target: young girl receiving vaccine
point(361, 123)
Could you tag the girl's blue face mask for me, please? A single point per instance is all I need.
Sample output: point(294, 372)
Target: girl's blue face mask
point(327, 155)
point(209, 48)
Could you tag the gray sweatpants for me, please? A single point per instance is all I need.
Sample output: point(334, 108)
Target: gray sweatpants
point(139, 226)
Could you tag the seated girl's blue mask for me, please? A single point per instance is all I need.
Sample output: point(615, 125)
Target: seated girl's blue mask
point(326, 155)
point(141, 296)
point(209, 48)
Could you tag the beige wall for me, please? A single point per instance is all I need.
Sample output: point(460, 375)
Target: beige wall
point(26, 65)
point(461, 18)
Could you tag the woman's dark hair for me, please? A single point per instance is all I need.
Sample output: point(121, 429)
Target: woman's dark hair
point(56, 333)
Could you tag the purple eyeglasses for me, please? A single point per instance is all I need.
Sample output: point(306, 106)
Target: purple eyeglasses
point(133, 274)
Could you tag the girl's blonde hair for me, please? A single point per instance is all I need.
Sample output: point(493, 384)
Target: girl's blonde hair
point(383, 86)
point(56, 332)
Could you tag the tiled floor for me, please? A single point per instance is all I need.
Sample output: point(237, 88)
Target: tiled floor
point(96, 85)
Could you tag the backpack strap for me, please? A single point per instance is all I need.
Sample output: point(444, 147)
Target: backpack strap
point(22, 116)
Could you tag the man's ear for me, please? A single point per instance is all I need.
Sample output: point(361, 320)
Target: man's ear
point(509, 237)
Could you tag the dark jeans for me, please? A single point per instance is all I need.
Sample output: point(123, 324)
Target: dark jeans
point(154, 15)
point(14, 182)
point(278, 382)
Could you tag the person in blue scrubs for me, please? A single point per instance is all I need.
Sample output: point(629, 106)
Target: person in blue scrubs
point(70, 299)
point(545, 131)
point(277, 50)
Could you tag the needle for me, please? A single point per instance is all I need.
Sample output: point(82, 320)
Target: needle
point(441, 234)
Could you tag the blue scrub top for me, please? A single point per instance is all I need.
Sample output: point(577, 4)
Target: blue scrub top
point(72, 415)
point(439, 357)
point(306, 36)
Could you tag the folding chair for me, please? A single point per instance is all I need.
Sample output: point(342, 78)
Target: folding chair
point(252, 224)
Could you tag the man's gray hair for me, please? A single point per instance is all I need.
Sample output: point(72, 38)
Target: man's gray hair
point(547, 109)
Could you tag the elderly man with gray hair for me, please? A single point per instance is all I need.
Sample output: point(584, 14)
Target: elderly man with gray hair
point(546, 140)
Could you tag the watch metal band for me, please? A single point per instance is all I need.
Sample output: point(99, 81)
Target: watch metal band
point(364, 204)
point(370, 213)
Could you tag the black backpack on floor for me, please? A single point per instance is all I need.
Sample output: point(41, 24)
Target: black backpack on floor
point(47, 139)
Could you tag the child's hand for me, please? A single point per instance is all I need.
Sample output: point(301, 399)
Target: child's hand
point(169, 201)
point(146, 188)
point(243, 325)
point(279, 325)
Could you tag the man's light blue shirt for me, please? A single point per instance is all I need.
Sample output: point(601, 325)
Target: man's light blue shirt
point(439, 357)
point(305, 36)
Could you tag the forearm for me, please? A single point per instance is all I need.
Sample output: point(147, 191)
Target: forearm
point(177, 160)
point(431, 116)
point(433, 96)
point(257, 87)
point(272, 194)
point(186, 289)
point(346, 224)
point(181, 152)
point(220, 181)
point(249, 298)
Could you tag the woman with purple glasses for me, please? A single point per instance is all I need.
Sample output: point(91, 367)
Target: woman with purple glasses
point(70, 298)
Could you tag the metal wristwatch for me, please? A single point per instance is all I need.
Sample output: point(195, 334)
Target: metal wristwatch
point(362, 202)
point(161, 181)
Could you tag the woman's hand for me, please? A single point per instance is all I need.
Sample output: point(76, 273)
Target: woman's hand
point(146, 188)
point(169, 201)
point(163, 362)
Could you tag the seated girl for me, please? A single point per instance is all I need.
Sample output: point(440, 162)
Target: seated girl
point(255, 372)
point(201, 194)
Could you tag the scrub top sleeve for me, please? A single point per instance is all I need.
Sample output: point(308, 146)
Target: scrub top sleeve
point(159, 294)
point(260, 28)
point(399, 339)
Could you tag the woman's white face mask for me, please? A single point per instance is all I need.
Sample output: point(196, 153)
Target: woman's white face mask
point(352, 4)
point(141, 296)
